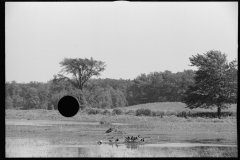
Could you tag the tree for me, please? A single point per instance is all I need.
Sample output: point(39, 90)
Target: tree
point(18, 101)
point(55, 97)
point(32, 99)
point(215, 82)
point(81, 69)
point(118, 98)
point(101, 98)
point(8, 103)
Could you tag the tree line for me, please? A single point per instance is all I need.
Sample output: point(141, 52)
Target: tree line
point(101, 93)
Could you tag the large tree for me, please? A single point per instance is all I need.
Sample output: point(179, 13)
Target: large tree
point(81, 69)
point(215, 82)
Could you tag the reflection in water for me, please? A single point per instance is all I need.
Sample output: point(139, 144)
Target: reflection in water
point(132, 145)
point(41, 148)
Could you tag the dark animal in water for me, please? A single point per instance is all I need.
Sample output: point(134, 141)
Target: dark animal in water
point(117, 140)
point(99, 142)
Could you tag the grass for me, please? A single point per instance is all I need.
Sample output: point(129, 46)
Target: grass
point(175, 107)
point(175, 110)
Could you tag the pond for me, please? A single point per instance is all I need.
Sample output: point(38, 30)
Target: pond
point(43, 148)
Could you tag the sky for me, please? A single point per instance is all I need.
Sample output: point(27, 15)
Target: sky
point(130, 37)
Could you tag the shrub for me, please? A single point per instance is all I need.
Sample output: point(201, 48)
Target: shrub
point(130, 112)
point(117, 111)
point(159, 113)
point(233, 113)
point(156, 113)
point(50, 107)
point(106, 112)
point(184, 114)
point(94, 111)
point(179, 114)
point(145, 112)
point(139, 112)
point(210, 114)
point(170, 113)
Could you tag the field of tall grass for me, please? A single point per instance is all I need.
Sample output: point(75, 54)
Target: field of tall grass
point(174, 106)
point(175, 111)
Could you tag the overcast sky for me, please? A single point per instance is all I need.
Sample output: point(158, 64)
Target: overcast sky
point(130, 37)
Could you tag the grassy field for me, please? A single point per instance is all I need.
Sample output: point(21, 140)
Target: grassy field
point(175, 106)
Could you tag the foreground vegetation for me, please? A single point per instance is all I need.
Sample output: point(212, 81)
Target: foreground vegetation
point(173, 110)
point(169, 128)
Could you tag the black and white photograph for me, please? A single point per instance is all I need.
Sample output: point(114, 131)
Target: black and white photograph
point(121, 79)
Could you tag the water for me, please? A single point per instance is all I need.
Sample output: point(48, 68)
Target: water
point(50, 122)
point(43, 148)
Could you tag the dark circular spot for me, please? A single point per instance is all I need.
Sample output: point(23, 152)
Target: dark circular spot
point(68, 106)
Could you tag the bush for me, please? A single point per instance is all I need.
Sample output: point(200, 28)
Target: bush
point(210, 114)
point(93, 111)
point(170, 113)
point(130, 112)
point(161, 114)
point(139, 112)
point(154, 113)
point(233, 113)
point(179, 114)
point(106, 112)
point(157, 113)
point(182, 114)
point(145, 112)
point(117, 111)
point(50, 107)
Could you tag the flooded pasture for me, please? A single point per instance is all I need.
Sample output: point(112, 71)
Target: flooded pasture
point(47, 138)
point(43, 148)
